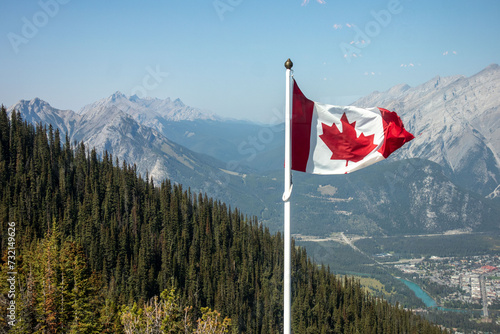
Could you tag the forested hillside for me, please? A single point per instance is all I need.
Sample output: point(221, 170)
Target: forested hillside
point(95, 244)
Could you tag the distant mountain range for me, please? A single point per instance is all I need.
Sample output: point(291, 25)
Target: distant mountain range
point(151, 111)
point(445, 179)
point(456, 121)
point(201, 131)
point(106, 127)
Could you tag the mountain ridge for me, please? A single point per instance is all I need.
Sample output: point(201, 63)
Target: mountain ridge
point(168, 109)
point(108, 128)
point(456, 122)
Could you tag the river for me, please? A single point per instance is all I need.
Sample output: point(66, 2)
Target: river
point(428, 301)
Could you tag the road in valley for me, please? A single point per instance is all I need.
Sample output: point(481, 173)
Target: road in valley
point(484, 295)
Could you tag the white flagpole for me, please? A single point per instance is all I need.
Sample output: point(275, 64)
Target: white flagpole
point(287, 305)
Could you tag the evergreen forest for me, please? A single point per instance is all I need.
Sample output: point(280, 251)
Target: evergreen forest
point(101, 249)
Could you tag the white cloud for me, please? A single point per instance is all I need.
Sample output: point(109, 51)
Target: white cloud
point(338, 26)
point(305, 2)
point(410, 65)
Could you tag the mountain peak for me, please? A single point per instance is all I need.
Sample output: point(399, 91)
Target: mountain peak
point(37, 110)
point(117, 95)
point(33, 104)
point(149, 109)
point(178, 102)
point(492, 67)
point(456, 119)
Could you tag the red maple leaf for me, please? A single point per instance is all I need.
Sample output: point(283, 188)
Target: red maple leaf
point(346, 145)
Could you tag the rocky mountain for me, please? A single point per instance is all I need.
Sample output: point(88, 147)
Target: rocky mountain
point(231, 141)
point(39, 111)
point(105, 127)
point(456, 121)
point(409, 196)
point(151, 111)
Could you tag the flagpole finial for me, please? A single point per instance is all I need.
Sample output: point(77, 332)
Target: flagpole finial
point(288, 64)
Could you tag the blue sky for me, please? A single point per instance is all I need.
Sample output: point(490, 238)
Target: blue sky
point(227, 56)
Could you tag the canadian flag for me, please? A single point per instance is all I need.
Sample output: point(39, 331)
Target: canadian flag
point(328, 139)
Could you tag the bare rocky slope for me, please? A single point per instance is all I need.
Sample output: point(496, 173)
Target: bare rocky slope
point(456, 121)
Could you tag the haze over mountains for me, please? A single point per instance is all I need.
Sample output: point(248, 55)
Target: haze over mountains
point(457, 149)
